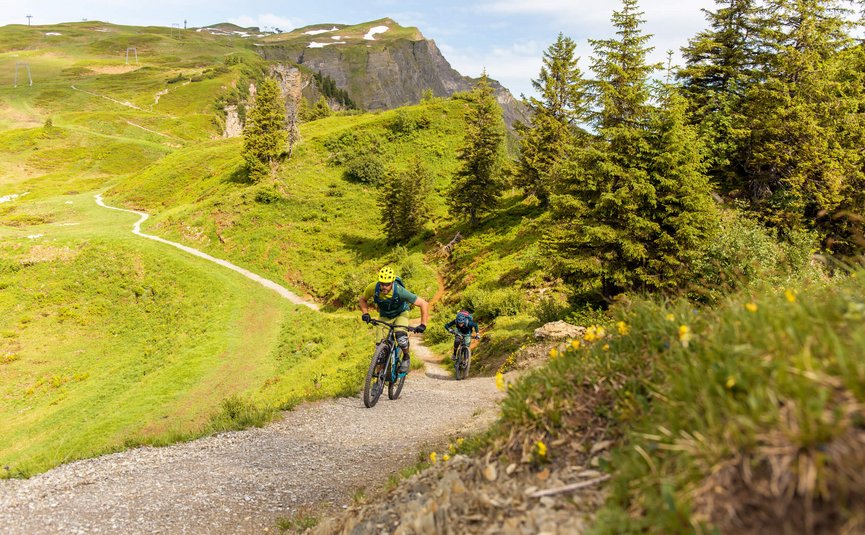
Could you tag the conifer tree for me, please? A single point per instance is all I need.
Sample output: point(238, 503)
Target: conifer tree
point(685, 212)
point(477, 185)
point(404, 202)
point(720, 67)
point(555, 118)
point(602, 210)
point(264, 134)
point(806, 135)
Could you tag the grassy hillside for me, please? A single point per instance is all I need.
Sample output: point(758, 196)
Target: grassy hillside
point(200, 197)
point(109, 340)
point(753, 407)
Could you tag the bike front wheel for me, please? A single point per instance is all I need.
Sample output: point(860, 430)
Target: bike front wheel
point(463, 360)
point(394, 388)
point(373, 386)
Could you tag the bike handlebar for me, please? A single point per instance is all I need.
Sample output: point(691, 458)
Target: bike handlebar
point(409, 328)
point(453, 332)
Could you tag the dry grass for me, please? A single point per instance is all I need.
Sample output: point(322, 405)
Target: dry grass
point(781, 488)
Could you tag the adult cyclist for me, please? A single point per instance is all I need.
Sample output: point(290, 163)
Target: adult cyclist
point(394, 301)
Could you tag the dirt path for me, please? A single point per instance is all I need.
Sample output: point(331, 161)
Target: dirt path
point(242, 482)
point(281, 290)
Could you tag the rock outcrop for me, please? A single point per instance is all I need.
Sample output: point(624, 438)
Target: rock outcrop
point(387, 73)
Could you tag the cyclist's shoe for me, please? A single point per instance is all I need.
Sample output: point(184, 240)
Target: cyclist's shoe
point(404, 365)
point(454, 357)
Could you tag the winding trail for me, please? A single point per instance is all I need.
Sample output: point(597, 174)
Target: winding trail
point(243, 481)
point(136, 229)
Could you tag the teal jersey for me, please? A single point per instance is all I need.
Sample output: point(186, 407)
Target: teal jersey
point(390, 305)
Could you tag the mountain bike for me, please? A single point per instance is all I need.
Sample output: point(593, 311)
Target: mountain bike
point(384, 367)
point(463, 359)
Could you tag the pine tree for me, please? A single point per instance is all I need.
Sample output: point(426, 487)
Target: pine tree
point(477, 185)
point(264, 133)
point(555, 118)
point(602, 226)
point(404, 202)
point(720, 67)
point(804, 149)
point(685, 211)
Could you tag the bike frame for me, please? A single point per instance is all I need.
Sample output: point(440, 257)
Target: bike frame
point(393, 346)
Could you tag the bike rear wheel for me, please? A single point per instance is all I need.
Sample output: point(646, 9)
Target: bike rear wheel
point(373, 386)
point(394, 388)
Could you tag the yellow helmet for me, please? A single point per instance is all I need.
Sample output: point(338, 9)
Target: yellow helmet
point(386, 275)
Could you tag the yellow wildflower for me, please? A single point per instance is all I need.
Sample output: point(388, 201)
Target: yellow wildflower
point(684, 335)
point(554, 353)
point(446, 457)
point(452, 448)
point(790, 295)
point(433, 457)
point(751, 307)
point(601, 332)
point(541, 449)
point(575, 344)
point(460, 441)
point(500, 382)
point(623, 328)
point(606, 347)
point(670, 317)
point(591, 334)
point(731, 382)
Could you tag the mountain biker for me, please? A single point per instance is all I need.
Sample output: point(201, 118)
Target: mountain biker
point(462, 324)
point(394, 301)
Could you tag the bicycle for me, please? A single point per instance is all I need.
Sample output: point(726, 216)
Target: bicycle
point(463, 359)
point(384, 368)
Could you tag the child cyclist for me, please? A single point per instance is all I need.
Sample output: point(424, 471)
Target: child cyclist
point(463, 325)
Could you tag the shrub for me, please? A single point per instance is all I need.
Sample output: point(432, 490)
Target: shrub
point(550, 308)
point(745, 253)
point(366, 169)
point(490, 304)
point(347, 291)
point(267, 195)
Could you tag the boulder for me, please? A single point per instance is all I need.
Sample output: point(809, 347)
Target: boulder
point(559, 330)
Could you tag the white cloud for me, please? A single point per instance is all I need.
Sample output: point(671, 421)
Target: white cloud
point(267, 20)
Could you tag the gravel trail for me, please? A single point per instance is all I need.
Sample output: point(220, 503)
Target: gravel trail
point(243, 481)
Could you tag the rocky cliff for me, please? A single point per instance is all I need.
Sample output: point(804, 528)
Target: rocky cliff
point(380, 64)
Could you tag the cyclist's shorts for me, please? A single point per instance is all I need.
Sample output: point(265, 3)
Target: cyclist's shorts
point(399, 321)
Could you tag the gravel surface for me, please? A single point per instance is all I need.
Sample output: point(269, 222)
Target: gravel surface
point(242, 482)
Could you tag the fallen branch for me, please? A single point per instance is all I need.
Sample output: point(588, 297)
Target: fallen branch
point(569, 488)
point(452, 244)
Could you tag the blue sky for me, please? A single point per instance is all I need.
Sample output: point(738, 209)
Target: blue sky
point(507, 37)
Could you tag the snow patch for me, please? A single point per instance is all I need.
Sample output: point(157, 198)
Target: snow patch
point(322, 45)
point(370, 35)
point(12, 197)
point(35, 236)
point(337, 37)
point(53, 33)
point(317, 32)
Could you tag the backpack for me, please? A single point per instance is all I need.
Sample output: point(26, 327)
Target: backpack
point(390, 307)
point(464, 315)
